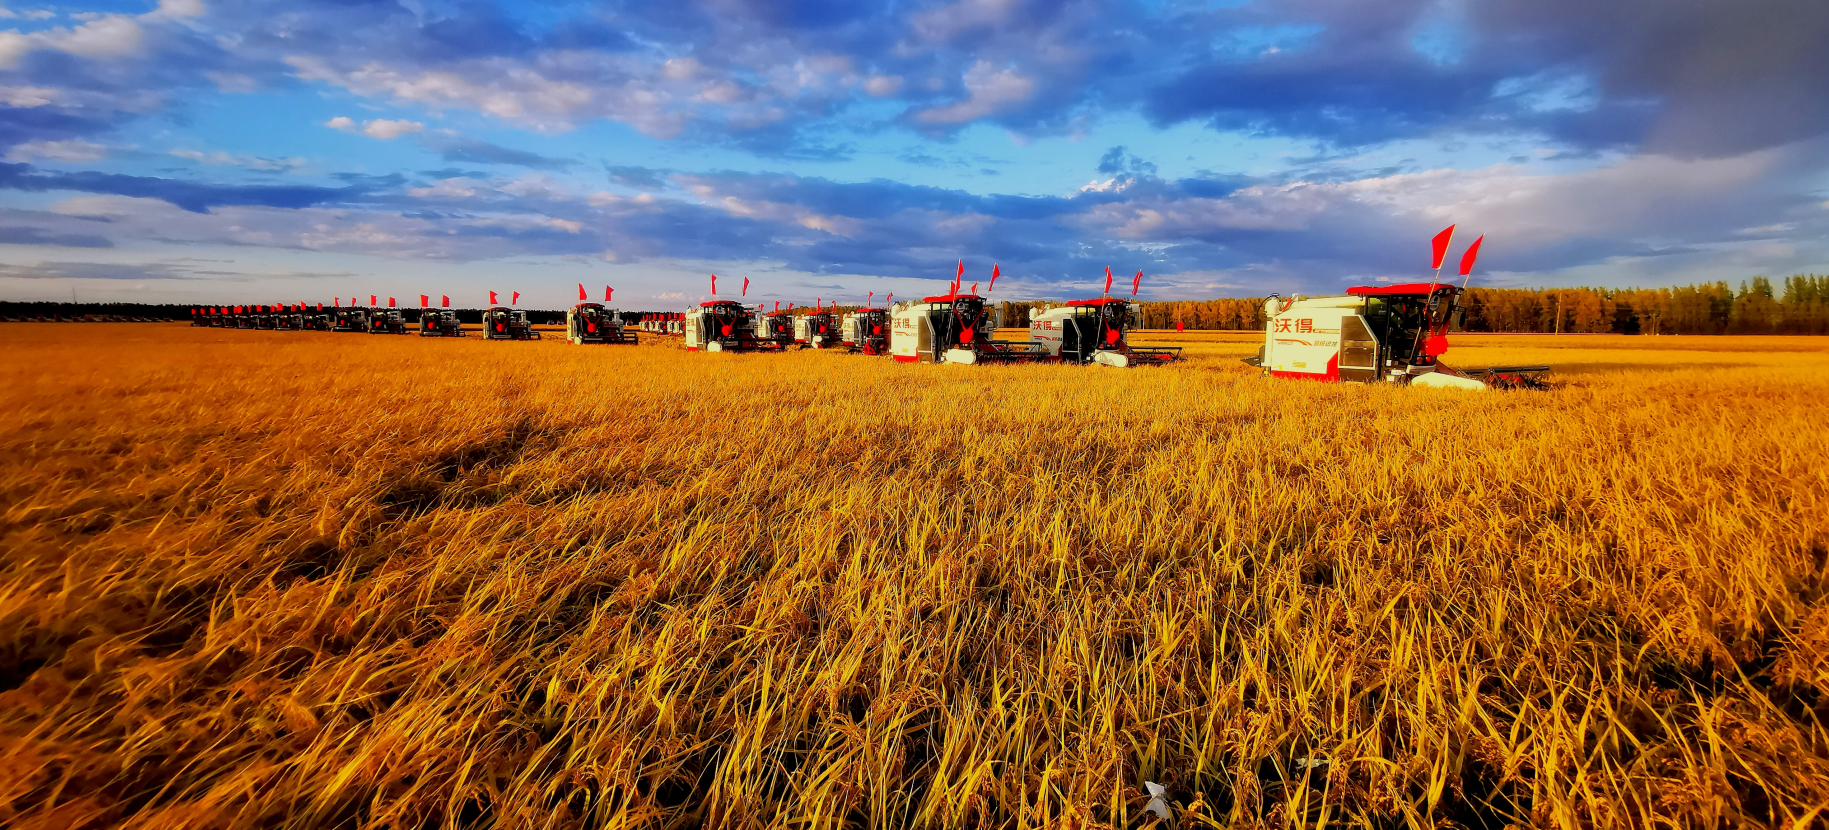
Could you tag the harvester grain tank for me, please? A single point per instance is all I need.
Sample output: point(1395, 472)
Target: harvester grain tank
point(1375, 334)
point(1096, 332)
point(502, 323)
point(865, 330)
point(722, 326)
point(592, 323)
point(439, 323)
point(953, 328)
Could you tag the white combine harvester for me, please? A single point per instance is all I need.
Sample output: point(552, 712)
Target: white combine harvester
point(723, 326)
point(593, 323)
point(1376, 334)
point(816, 330)
point(865, 330)
point(953, 328)
point(1096, 331)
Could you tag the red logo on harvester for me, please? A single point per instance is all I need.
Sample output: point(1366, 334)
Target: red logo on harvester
point(1282, 326)
point(1305, 325)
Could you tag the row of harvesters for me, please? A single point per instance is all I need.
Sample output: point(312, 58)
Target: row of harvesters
point(499, 323)
point(950, 328)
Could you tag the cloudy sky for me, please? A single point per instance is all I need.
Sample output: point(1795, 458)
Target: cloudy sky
point(203, 150)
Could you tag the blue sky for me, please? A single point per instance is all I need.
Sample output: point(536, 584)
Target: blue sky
point(202, 151)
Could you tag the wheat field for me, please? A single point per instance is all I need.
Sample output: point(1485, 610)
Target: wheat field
point(272, 579)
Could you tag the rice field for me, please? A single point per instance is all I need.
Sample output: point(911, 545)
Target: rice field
point(272, 579)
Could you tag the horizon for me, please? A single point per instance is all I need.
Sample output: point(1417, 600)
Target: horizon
point(194, 152)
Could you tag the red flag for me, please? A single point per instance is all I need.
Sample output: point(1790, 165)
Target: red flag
point(872, 300)
point(714, 285)
point(1136, 283)
point(1473, 251)
point(371, 299)
point(390, 302)
point(492, 300)
point(790, 305)
point(515, 298)
point(745, 291)
point(994, 274)
point(1108, 279)
point(777, 305)
point(320, 306)
point(974, 289)
point(446, 301)
point(1441, 247)
point(819, 304)
point(336, 302)
point(1178, 325)
point(608, 292)
point(888, 299)
point(581, 297)
point(424, 301)
point(958, 276)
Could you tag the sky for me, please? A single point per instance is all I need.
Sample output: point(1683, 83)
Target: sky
point(201, 151)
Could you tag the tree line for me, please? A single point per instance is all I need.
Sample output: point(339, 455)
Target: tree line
point(1799, 306)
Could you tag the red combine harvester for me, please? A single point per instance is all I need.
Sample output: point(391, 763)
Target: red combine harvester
point(865, 330)
point(953, 328)
point(350, 319)
point(1096, 332)
point(722, 326)
point(592, 323)
point(502, 323)
point(1377, 334)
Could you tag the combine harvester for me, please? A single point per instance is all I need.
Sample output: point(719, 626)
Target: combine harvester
point(1380, 334)
point(386, 322)
point(351, 319)
point(289, 318)
point(817, 330)
point(723, 326)
point(953, 328)
point(775, 329)
point(730, 326)
point(589, 322)
point(865, 330)
point(1096, 332)
point(442, 323)
point(502, 323)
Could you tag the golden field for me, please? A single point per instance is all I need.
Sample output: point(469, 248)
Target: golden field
point(271, 579)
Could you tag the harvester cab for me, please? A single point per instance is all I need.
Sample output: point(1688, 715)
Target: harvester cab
point(439, 324)
point(818, 330)
point(1096, 331)
point(386, 322)
point(502, 323)
point(1388, 333)
point(721, 326)
point(592, 323)
point(351, 319)
point(865, 330)
point(953, 328)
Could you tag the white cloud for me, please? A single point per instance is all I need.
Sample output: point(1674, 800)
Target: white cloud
point(990, 90)
point(219, 157)
point(105, 36)
point(883, 86)
point(232, 82)
point(603, 197)
point(341, 122)
point(566, 225)
point(387, 130)
point(513, 92)
point(181, 8)
point(70, 150)
point(27, 14)
point(26, 97)
point(457, 188)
